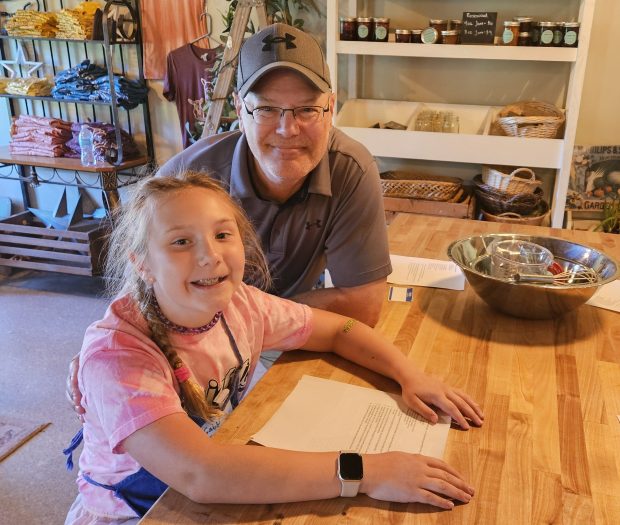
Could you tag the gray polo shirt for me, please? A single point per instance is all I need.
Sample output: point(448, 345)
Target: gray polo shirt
point(335, 221)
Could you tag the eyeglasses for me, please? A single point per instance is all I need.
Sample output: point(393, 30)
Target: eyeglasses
point(272, 114)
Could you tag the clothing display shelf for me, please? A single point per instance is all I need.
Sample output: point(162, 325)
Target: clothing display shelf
point(120, 55)
point(474, 144)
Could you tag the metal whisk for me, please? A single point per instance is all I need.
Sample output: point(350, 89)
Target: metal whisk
point(565, 278)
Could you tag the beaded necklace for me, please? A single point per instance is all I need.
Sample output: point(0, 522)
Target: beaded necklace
point(184, 329)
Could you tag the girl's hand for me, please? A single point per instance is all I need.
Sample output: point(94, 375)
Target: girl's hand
point(421, 390)
point(406, 478)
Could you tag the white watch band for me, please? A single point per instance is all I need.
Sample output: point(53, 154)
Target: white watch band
point(349, 489)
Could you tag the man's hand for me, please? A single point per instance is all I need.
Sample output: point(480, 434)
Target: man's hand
point(73, 390)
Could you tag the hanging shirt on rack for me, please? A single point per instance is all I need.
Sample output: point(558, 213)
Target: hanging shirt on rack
point(188, 67)
point(166, 26)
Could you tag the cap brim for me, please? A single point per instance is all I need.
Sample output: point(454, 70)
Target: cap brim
point(314, 79)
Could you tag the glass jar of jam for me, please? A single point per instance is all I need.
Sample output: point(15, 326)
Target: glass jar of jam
point(535, 33)
point(381, 29)
point(525, 23)
point(510, 36)
point(524, 39)
point(439, 26)
point(456, 25)
point(450, 36)
point(571, 34)
point(558, 34)
point(547, 32)
point(364, 29)
point(402, 36)
point(416, 36)
point(430, 36)
point(348, 28)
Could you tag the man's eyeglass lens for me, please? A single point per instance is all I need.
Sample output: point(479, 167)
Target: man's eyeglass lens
point(271, 114)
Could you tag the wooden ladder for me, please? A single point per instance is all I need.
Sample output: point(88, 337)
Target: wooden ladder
point(228, 65)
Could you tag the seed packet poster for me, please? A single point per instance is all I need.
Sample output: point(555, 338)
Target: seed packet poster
point(594, 178)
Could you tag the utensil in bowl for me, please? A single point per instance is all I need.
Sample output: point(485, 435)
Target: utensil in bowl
point(532, 300)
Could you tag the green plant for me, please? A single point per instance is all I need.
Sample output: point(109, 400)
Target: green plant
point(285, 11)
point(611, 216)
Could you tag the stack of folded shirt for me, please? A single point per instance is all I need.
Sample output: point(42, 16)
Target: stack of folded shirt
point(129, 93)
point(88, 81)
point(104, 139)
point(42, 136)
point(32, 23)
point(76, 83)
point(29, 86)
point(77, 23)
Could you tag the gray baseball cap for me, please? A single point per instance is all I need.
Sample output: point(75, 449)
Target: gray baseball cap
point(281, 46)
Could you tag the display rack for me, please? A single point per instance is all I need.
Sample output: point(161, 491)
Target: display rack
point(474, 147)
point(27, 245)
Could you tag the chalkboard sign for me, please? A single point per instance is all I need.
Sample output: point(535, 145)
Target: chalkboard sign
point(478, 27)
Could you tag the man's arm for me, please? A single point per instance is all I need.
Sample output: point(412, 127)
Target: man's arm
point(360, 302)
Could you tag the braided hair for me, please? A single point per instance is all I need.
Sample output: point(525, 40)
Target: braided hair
point(128, 241)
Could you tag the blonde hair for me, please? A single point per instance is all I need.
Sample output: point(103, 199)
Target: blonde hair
point(129, 240)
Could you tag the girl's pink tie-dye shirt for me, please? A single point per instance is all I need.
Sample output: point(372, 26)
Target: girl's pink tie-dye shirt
point(127, 383)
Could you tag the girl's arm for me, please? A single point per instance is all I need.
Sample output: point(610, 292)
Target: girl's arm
point(362, 345)
point(177, 451)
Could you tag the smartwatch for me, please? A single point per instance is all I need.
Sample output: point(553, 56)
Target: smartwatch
point(350, 473)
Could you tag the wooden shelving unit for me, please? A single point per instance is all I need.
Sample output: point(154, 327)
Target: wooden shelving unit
point(25, 242)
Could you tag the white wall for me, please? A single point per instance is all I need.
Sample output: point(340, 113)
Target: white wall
point(600, 104)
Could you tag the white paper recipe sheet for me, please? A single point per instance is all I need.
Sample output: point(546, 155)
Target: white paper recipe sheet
point(607, 296)
point(425, 272)
point(321, 415)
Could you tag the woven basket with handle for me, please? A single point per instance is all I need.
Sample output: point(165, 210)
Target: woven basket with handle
point(496, 202)
point(409, 185)
point(520, 180)
point(531, 119)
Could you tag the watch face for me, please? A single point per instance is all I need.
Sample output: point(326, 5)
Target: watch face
point(351, 468)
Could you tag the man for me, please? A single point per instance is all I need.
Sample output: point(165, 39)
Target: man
point(312, 193)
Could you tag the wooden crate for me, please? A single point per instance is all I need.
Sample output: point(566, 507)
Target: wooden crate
point(583, 219)
point(25, 242)
point(462, 206)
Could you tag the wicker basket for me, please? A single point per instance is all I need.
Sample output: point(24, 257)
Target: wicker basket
point(510, 182)
point(531, 119)
point(496, 202)
point(535, 219)
point(404, 184)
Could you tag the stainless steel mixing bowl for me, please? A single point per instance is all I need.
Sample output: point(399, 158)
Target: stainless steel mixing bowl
point(532, 301)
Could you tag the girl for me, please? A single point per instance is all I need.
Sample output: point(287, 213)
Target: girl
point(179, 345)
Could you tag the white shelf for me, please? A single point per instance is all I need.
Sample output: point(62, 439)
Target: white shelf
point(459, 147)
point(480, 52)
point(472, 144)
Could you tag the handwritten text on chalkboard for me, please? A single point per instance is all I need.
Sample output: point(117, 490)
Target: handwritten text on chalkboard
point(478, 27)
